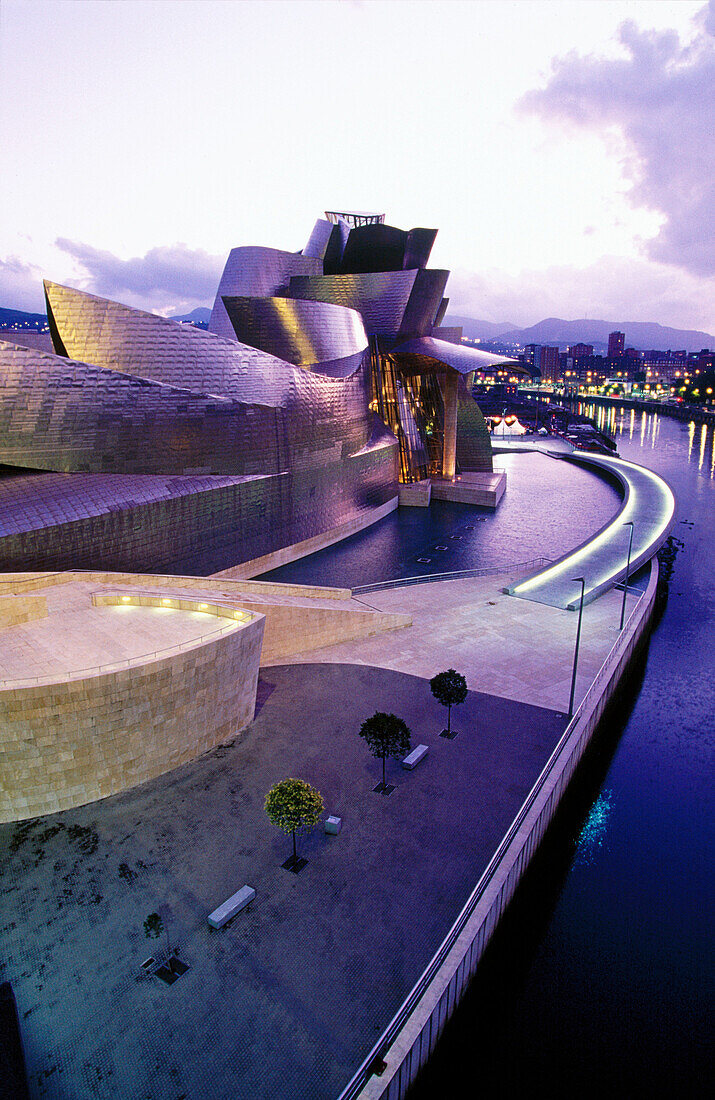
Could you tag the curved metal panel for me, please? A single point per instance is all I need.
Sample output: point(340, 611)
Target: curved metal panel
point(419, 247)
point(318, 240)
point(380, 297)
point(424, 302)
point(441, 310)
point(117, 337)
point(457, 356)
point(474, 446)
point(374, 247)
point(60, 414)
point(333, 257)
point(258, 271)
point(307, 334)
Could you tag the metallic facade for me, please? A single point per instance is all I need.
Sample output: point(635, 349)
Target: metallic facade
point(257, 272)
point(313, 335)
point(157, 446)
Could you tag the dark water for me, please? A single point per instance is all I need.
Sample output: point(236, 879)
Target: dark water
point(600, 979)
point(569, 505)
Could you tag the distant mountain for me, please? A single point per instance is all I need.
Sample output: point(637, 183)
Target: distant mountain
point(17, 318)
point(478, 330)
point(197, 316)
point(643, 335)
point(14, 318)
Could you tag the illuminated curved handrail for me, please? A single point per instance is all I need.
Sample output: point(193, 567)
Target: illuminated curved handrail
point(649, 504)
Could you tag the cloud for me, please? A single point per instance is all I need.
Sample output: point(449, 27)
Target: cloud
point(614, 288)
point(660, 99)
point(171, 278)
point(21, 286)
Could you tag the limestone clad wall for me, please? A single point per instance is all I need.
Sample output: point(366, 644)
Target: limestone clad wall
point(69, 743)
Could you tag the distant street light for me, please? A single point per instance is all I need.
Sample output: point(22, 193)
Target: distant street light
point(582, 582)
point(628, 569)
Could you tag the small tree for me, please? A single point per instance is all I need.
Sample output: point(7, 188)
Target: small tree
point(295, 807)
point(450, 689)
point(386, 735)
point(153, 928)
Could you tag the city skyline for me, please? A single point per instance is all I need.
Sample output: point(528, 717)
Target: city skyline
point(147, 140)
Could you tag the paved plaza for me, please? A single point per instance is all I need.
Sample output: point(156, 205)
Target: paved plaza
point(502, 645)
point(287, 999)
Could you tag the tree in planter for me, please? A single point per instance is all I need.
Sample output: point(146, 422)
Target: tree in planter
point(295, 807)
point(153, 928)
point(450, 689)
point(386, 735)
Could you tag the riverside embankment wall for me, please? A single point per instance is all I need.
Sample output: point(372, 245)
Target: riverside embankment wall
point(411, 1037)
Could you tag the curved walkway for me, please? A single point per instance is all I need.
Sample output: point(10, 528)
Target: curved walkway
point(648, 504)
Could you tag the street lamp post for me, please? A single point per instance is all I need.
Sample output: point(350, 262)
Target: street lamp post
point(628, 569)
point(582, 582)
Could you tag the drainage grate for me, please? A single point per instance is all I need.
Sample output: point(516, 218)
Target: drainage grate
point(440, 547)
point(458, 538)
point(423, 561)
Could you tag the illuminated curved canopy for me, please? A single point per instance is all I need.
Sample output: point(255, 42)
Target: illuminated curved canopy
point(426, 351)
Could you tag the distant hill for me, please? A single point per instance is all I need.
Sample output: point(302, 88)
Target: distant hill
point(643, 335)
point(198, 316)
point(16, 318)
point(478, 330)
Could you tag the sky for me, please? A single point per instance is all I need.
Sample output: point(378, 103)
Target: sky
point(563, 148)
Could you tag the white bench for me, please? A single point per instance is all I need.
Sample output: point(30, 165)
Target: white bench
point(415, 756)
point(233, 905)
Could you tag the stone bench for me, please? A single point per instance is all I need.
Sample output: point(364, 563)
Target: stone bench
point(415, 756)
point(233, 905)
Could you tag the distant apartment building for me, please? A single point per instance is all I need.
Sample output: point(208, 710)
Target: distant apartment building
point(616, 343)
point(543, 358)
point(550, 364)
point(579, 351)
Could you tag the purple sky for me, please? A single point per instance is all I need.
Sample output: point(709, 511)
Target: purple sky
point(564, 150)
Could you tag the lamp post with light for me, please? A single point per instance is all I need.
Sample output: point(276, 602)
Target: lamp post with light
point(582, 582)
point(628, 569)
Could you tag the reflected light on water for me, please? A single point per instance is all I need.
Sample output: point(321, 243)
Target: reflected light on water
point(632, 423)
point(594, 831)
point(703, 437)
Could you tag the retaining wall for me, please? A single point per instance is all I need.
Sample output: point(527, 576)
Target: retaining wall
point(70, 742)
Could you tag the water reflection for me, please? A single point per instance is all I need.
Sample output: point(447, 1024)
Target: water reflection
point(595, 829)
point(620, 422)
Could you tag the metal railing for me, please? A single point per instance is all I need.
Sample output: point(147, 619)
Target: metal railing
point(381, 1047)
point(425, 578)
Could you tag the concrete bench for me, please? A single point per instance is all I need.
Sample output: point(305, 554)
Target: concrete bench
point(415, 756)
point(233, 905)
point(333, 825)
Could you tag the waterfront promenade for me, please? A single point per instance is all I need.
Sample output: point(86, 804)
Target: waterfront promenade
point(311, 975)
point(602, 560)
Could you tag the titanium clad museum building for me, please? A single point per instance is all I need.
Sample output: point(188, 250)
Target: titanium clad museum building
point(325, 380)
